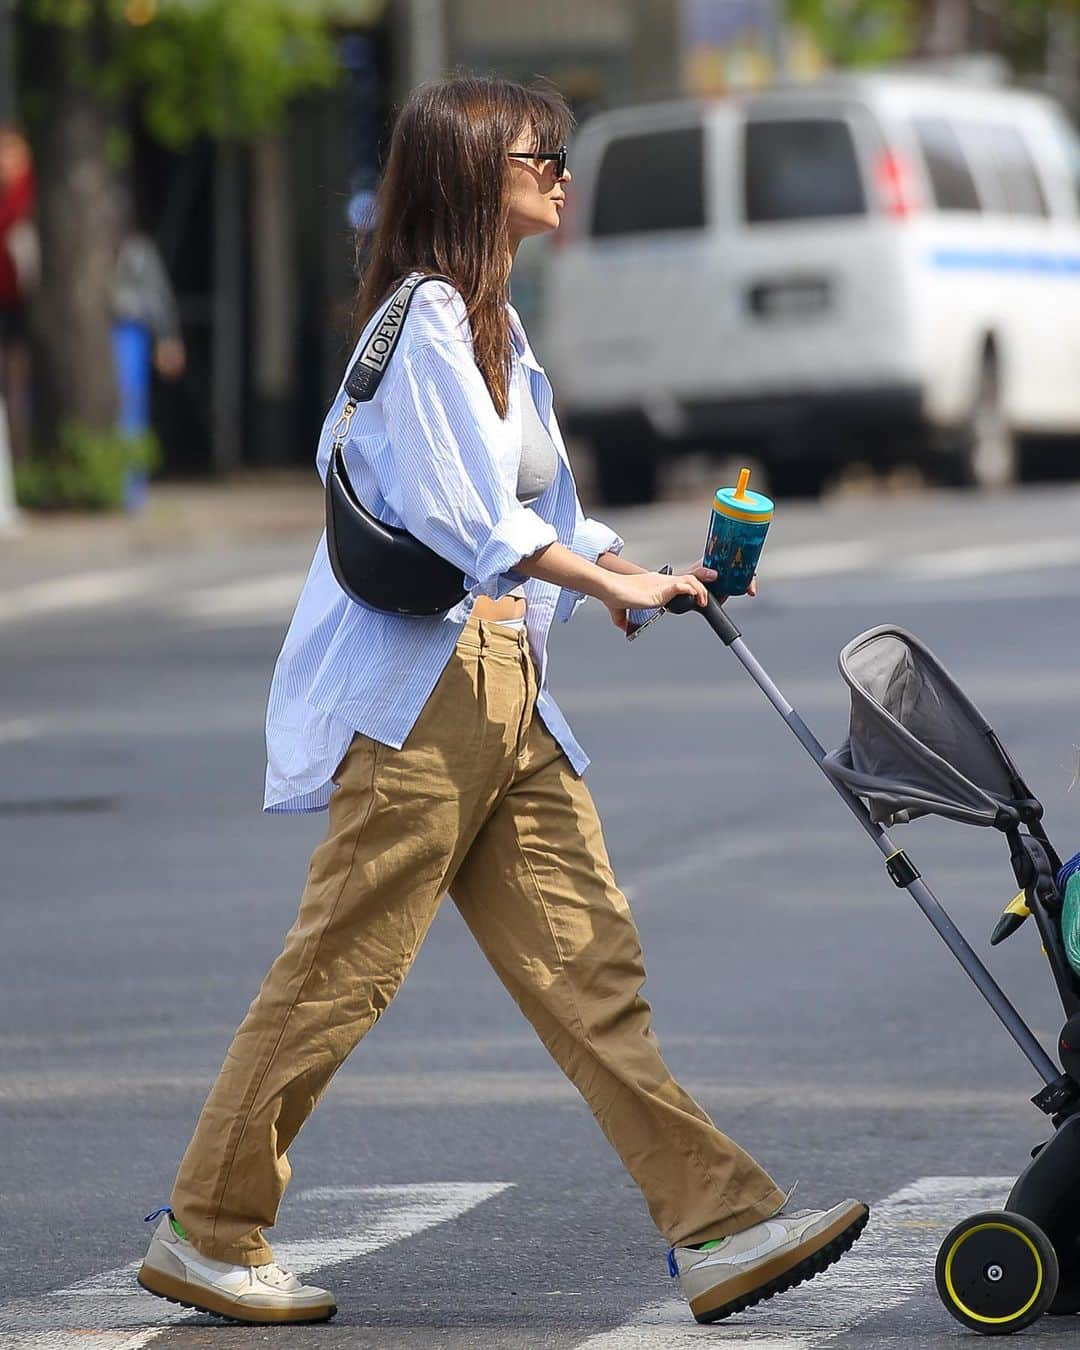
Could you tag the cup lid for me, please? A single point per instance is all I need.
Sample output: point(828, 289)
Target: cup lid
point(749, 504)
point(740, 501)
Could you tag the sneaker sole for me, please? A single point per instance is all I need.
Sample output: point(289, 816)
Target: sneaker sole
point(204, 1300)
point(775, 1277)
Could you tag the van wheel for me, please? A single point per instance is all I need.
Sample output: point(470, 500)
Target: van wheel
point(803, 476)
point(989, 456)
point(625, 470)
point(1049, 458)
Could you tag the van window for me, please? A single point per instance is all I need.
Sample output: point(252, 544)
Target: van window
point(1010, 171)
point(1069, 143)
point(946, 165)
point(799, 168)
point(651, 182)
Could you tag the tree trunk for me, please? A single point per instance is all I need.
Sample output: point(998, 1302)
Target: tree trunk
point(1063, 55)
point(944, 27)
point(74, 376)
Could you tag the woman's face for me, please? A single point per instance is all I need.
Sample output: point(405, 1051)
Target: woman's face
point(536, 195)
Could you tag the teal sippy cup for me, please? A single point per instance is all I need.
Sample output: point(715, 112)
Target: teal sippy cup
point(737, 530)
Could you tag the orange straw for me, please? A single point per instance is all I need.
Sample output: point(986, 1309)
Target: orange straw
point(744, 479)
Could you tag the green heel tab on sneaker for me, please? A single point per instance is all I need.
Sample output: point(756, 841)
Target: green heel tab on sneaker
point(673, 1265)
point(713, 1243)
point(174, 1223)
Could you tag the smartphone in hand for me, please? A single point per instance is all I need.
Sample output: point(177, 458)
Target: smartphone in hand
point(633, 629)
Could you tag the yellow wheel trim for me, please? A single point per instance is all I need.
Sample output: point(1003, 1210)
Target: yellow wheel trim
point(978, 1317)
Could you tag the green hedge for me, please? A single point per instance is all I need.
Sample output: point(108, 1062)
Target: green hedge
point(87, 470)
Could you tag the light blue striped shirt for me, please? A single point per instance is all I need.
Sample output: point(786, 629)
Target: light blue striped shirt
point(430, 453)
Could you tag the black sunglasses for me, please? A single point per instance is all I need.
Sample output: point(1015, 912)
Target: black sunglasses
point(559, 156)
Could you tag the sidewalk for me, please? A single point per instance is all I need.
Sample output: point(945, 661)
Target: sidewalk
point(179, 517)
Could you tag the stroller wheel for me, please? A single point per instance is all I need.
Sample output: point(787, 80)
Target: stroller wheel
point(997, 1272)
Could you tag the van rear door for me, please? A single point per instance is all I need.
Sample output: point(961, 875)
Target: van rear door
point(817, 265)
point(635, 276)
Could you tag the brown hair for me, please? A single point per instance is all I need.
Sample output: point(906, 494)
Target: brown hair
point(441, 204)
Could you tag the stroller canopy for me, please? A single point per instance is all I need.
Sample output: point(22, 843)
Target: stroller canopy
point(917, 745)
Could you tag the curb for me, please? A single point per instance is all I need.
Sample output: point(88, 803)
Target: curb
point(178, 516)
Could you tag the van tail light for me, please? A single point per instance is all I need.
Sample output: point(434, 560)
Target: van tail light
point(894, 179)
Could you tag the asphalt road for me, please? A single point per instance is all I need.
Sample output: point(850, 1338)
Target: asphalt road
point(450, 1187)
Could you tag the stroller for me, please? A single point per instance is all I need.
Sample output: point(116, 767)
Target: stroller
point(919, 746)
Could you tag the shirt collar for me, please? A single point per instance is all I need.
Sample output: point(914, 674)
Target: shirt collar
point(521, 341)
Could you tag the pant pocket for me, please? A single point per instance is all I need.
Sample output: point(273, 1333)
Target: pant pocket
point(447, 745)
point(360, 746)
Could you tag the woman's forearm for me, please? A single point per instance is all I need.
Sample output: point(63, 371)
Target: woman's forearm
point(562, 566)
point(614, 562)
point(622, 586)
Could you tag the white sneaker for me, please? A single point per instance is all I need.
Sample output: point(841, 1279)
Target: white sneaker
point(768, 1258)
point(174, 1270)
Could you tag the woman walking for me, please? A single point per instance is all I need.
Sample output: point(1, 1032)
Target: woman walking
point(447, 765)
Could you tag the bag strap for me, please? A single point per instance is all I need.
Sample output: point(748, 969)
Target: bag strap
point(369, 367)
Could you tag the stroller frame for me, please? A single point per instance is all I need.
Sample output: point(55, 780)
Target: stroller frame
point(1048, 1191)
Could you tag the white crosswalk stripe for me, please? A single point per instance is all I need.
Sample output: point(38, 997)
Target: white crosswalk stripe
point(994, 559)
point(260, 598)
point(111, 1312)
point(819, 560)
point(90, 590)
point(892, 1262)
point(269, 598)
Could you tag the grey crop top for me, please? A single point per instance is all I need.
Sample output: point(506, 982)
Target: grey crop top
point(539, 458)
point(539, 462)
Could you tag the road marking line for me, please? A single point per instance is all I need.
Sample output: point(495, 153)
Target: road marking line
point(22, 729)
point(271, 598)
point(889, 589)
point(818, 560)
point(349, 1221)
point(985, 560)
point(892, 1262)
point(88, 591)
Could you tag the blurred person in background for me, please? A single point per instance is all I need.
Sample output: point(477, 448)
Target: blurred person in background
point(447, 765)
point(146, 331)
point(19, 270)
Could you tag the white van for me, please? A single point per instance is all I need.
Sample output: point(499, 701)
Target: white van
point(855, 268)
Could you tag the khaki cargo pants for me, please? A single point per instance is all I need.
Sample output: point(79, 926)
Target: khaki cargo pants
point(481, 801)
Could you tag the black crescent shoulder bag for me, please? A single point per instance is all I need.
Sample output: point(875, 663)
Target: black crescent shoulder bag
point(377, 564)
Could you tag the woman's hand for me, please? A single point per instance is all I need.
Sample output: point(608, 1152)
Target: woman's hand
point(619, 583)
point(619, 615)
point(653, 590)
point(170, 357)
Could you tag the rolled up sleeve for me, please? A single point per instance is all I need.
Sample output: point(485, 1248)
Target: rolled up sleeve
point(441, 472)
point(591, 539)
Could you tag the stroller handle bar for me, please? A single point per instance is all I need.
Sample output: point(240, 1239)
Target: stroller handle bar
point(902, 871)
point(715, 616)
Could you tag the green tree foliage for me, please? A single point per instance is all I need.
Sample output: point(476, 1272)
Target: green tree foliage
point(872, 32)
point(1025, 29)
point(186, 68)
point(222, 68)
point(858, 32)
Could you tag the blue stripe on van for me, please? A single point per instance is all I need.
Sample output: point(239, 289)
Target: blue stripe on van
point(1006, 260)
